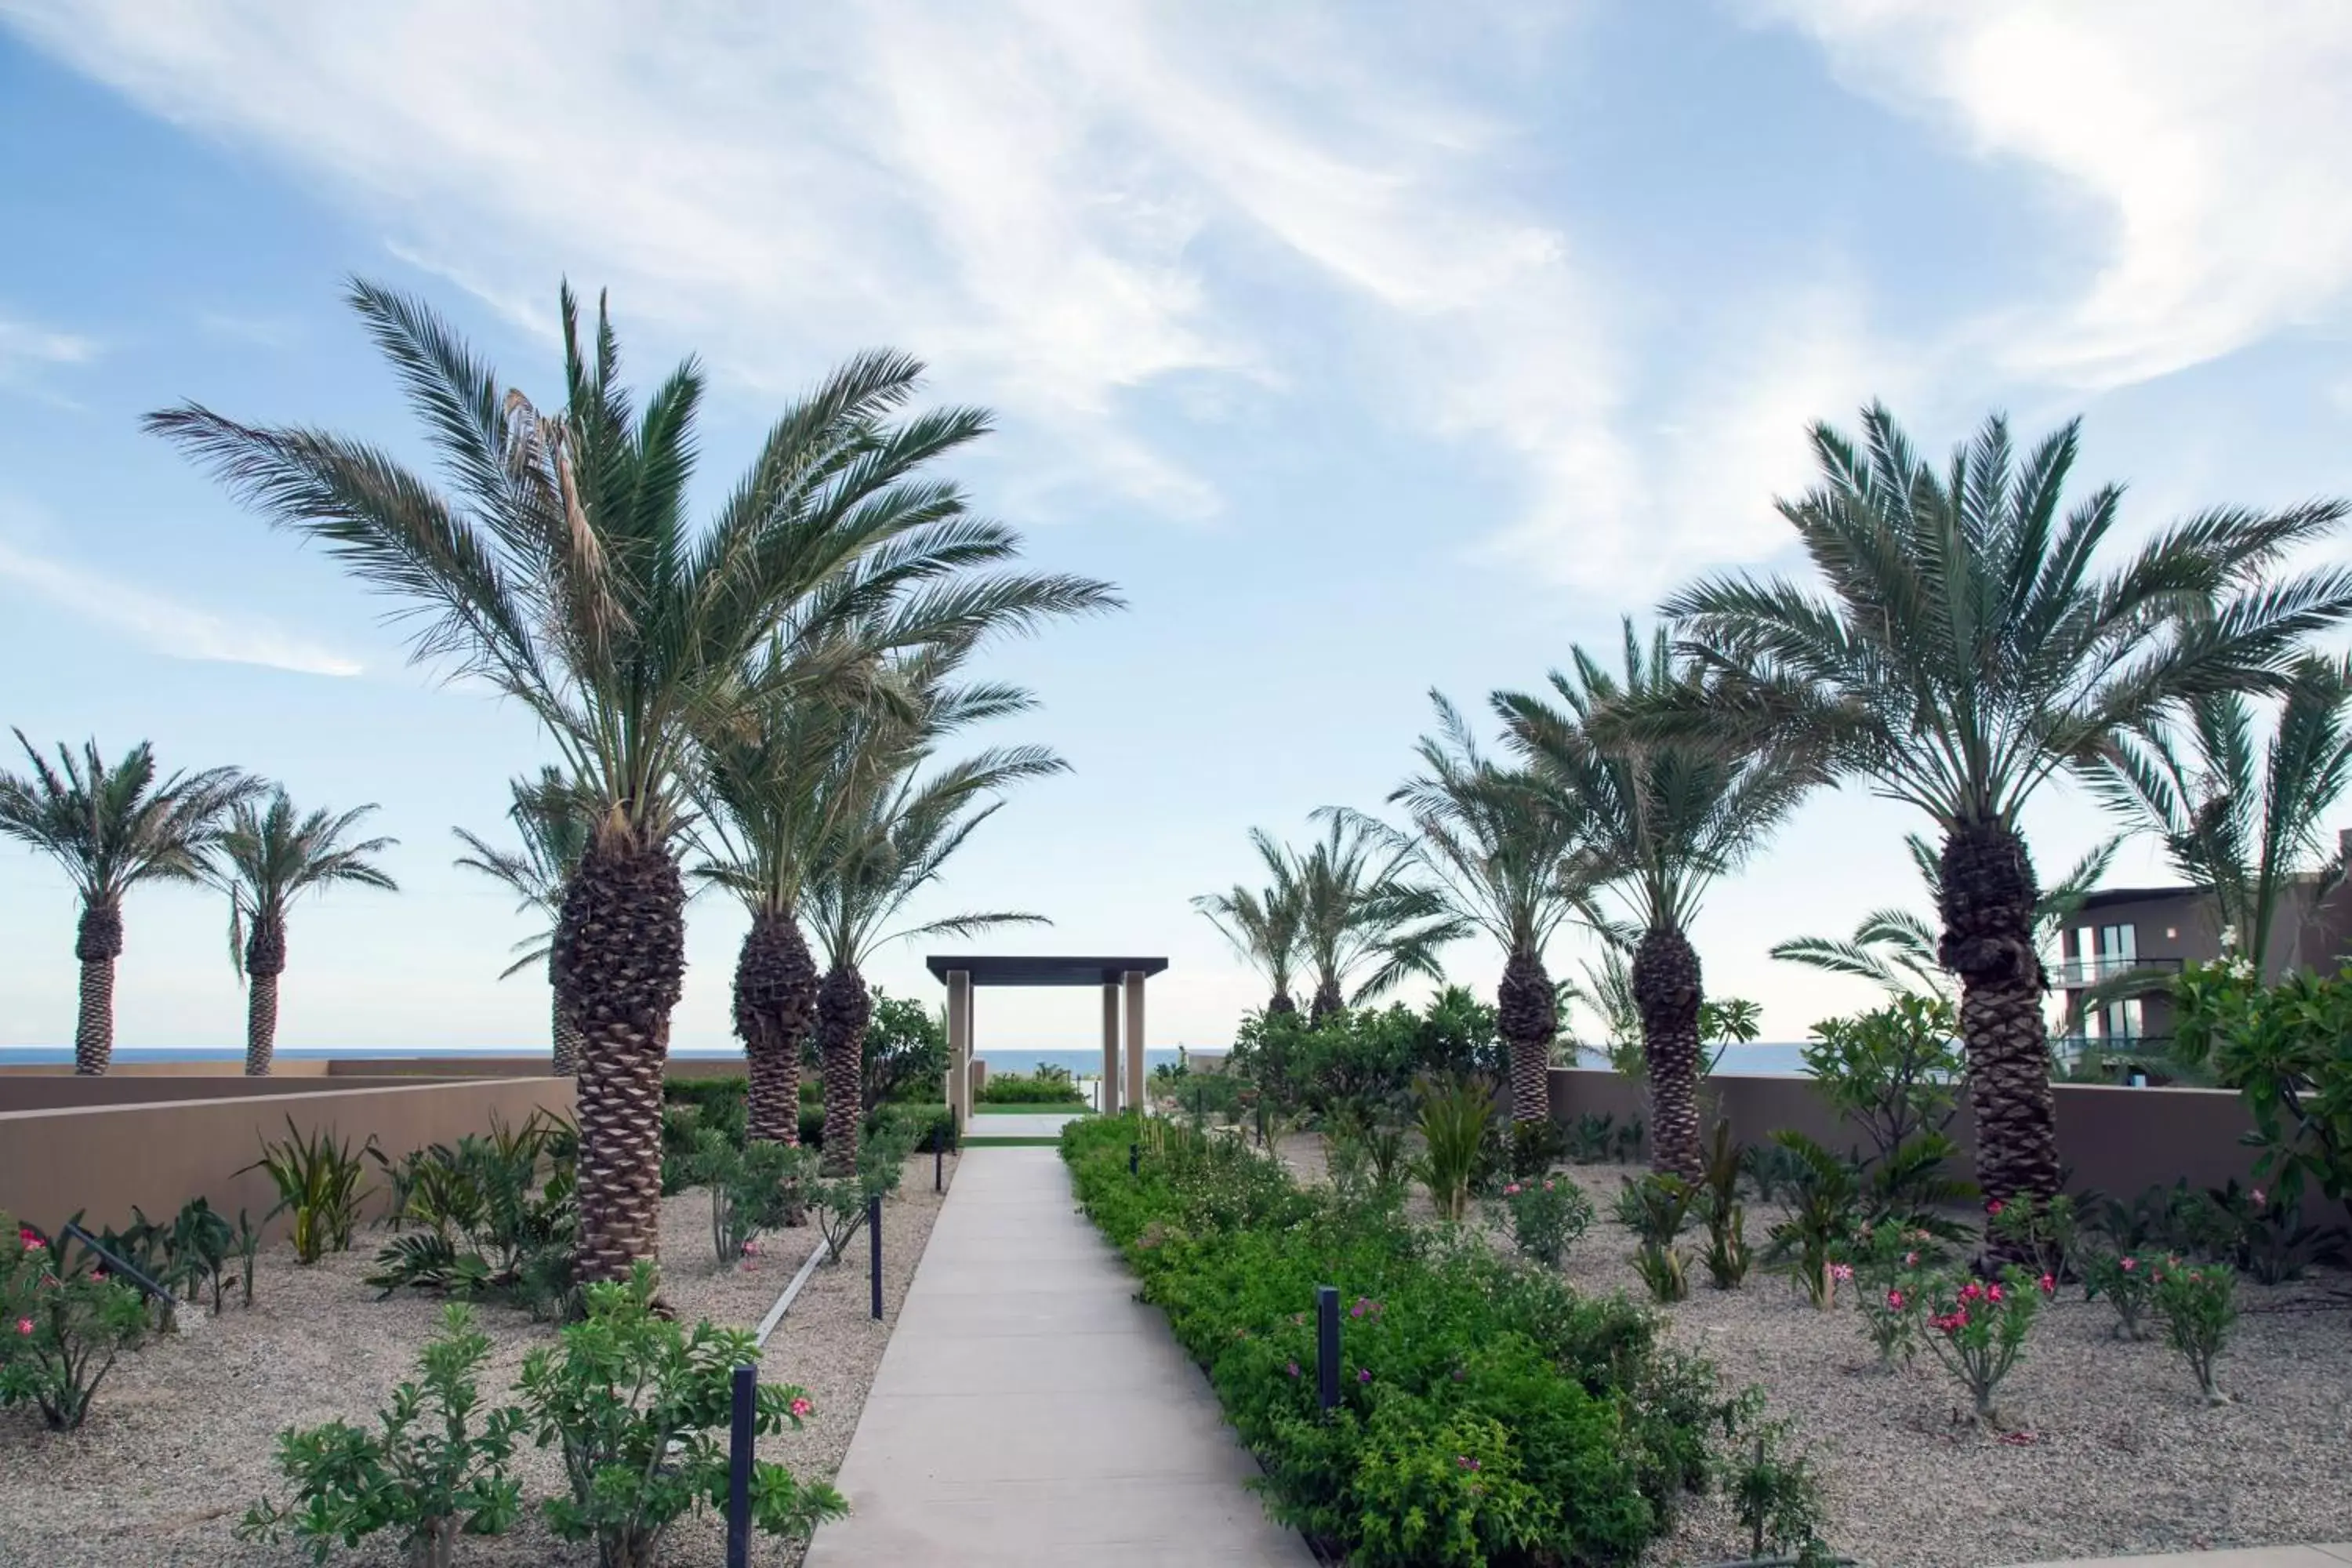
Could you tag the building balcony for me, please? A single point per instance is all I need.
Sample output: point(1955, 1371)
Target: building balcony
point(2076, 973)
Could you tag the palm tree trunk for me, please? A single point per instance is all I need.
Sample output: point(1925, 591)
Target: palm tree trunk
point(842, 1010)
point(1527, 1014)
point(1988, 912)
point(620, 949)
point(565, 1024)
point(1667, 988)
point(265, 961)
point(1281, 1003)
point(775, 1002)
point(1328, 999)
point(96, 944)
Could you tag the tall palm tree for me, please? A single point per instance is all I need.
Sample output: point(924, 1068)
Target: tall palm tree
point(269, 856)
point(2236, 817)
point(1263, 925)
point(113, 828)
point(1964, 651)
point(562, 568)
point(1663, 819)
point(1364, 925)
point(904, 826)
point(1506, 860)
point(1895, 948)
point(547, 811)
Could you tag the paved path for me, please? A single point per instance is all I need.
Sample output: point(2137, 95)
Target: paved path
point(2251, 1557)
point(1038, 1123)
point(1029, 1411)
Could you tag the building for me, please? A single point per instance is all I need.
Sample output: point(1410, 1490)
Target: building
point(2119, 929)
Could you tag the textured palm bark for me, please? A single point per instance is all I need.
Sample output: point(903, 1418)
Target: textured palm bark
point(1281, 1003)
point(1328, 999)
point(564, 1031)
point(265, 961)
point(98, 944)
point(1668, 988)
point(775, 1005)
point(1987, 913)
point(842, 1010)
point(1527, 1014)
point(620, 954)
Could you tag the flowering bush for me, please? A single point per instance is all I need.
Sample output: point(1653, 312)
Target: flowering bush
point(2128, 1283)
point(1977, 1330)
point(61, 1326)
point(2043, 1237)
point(1548, 1215)
point(1890, 1263)
point(2199, 1302)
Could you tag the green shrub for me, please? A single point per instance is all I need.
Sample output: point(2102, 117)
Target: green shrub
point(429, 1475)
point(755, 1188)
point(640, 1408)
point(2287, 1050)
point(1049, 1085)
point(905, 1052)
point(317, 1181)
point(1895, 1069)
point(1778, 1496)
point(1979, 1330)
point(921, 1126)
point(498, 1217)
point(2128, 1282)
point(61, 1326)
point(1548, 1215)
point(1583, 1429)
point(1824, 1216)
point(2199, 1304)
point(1454, 1116)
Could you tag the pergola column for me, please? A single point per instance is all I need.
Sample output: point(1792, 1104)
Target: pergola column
point(1135, 1038)
point(958, 1084)
point(1110, 1048)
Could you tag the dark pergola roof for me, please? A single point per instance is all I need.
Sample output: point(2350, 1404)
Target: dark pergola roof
point(1041, 971)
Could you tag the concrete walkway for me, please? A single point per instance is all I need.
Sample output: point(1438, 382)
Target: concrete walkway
point(1029, 1411)
point(1039, 1123)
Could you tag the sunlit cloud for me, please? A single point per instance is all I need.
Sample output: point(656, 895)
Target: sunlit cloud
point(163, 624)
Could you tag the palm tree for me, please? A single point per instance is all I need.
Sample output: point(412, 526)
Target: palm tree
point(547, 812)
point(268, 857)
point(1663, 820)
point(897, 840)
point(1358, 910)
point(1508, 861)
point(113, 828)
point(1964, 651)
point(1263, 925)
point(1895, 948)
point(562, 568)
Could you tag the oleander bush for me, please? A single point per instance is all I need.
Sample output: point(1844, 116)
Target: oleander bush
point(2198, 1304)
point(62, 1324)
point(1489, 1414)
point(1548, 1214)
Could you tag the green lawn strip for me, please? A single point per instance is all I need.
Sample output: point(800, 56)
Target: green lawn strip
point(970, 1142)
point(1041, 1108)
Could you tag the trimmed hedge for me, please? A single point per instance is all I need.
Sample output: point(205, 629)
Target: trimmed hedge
point(1489, 1414)
point(722, 1102)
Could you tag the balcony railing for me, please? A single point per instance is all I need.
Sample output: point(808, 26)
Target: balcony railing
point(2074, 973)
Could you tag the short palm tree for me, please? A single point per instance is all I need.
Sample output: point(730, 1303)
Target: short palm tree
point(2240, 819)
point(562, 568)
point(904, 825)
point(1508, 861)
point(267, 858)
point(548, 813)
point(113, 828)
point(1662, 819)
point(1262, 924)
point(1962, 647)
point(1895, 948)
point(1364, 925)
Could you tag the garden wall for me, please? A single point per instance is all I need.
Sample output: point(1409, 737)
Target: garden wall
point(62, 1090)
point(2119, 1141)
point(157, 1155)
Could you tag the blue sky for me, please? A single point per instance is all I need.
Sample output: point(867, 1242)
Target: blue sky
point(1368, 348)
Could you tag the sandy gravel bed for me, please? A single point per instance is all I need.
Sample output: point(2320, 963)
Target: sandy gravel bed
point(180, 1440)
point(2115, 1452)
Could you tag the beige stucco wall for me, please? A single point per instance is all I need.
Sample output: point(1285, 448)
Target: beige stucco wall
point(158, 1154)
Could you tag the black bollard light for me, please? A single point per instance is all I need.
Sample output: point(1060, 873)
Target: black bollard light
point(1327, 1345)
point(873, 1251)
point(1134, 1158)
point(939, 1158)
point(740, 1439)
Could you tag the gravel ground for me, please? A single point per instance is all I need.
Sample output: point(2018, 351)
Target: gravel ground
point(180, 1439)
point(2114, 1452)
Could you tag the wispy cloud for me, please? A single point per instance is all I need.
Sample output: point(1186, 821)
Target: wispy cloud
point(165, 625)
point(26, 348)
point(2207, 139)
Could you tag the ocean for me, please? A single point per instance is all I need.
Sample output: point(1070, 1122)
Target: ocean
point(1763, 1059)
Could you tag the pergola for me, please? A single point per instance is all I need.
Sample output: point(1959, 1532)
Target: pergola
point(1117, 976)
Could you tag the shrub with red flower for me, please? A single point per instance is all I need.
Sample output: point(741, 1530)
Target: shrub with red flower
point(69, 1329)
point(1978, 1331)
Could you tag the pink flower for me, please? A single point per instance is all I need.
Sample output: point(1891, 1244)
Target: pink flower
point(1292, 1369)
point(1971, 1291)
point(2050, 1284)
point(1840, 1272)
point(1511, 1191)
point(2128, 1264)
point(31, 1242)
point(802, 1407)
point(97, 1273)
point(1993, 1207)
point(1465, 1462)
point(1910, 1261)
point(1357, 1311)
point(1363, 1374)
point(749, 1248)
point(2259, 1199)
point(1547, 1186)
point(24, 1325)
point(1992, 1293)
point(1895, 1299)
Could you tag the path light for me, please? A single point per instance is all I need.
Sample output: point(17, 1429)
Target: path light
point(740, 1440)
point(1326, 1346)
